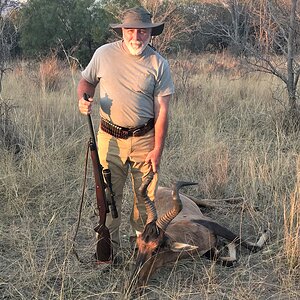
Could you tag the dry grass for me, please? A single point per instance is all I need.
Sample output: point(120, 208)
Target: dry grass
point(224, 134)
point(292, 225)
point(51, 74)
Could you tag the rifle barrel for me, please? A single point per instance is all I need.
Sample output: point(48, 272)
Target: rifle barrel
point(91, 126)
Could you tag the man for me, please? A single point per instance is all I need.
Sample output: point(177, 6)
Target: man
point(135, 90)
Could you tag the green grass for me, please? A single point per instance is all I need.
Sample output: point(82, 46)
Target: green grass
point(225, 133)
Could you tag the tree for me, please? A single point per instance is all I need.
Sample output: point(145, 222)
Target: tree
point(8, 35)
point(271, 43)
point(177, 27)
point(116, 7)
point(293, 68)
point(79, 26)
point(9, 135)
point(210, 19)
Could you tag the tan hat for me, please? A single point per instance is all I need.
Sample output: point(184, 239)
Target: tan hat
point(138, 17)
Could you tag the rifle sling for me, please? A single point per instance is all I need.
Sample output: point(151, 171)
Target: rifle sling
point(101, 217)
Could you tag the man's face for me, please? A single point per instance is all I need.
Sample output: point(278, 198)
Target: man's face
point(136, 39)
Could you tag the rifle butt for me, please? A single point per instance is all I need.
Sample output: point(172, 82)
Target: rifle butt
point(104, 252)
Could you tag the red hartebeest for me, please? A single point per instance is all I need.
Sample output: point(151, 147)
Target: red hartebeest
point(176, 229)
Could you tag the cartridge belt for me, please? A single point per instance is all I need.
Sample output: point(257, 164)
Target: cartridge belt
point(123, 132)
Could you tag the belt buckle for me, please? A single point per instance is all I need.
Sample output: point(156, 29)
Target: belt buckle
point(124, 134)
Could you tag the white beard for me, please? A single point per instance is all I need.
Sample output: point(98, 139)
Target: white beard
point(136, 48)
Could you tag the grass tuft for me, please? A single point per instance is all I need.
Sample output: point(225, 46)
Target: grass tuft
point(292, 225)
point(51, 74)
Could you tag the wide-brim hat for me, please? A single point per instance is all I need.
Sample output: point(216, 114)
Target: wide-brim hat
point(138, 17)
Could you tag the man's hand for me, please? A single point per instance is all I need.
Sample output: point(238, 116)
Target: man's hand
point(161, 106)
point(154, 158)
point(85, 107)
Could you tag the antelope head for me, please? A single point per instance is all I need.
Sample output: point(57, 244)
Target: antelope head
point(154, 242)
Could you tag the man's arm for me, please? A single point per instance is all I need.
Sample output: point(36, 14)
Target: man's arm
point(161, 108)
point(85, 87)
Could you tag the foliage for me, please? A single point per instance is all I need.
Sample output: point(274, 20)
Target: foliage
point(209, 19)
point(6, 5)
point(116, 7)
point(79, 26)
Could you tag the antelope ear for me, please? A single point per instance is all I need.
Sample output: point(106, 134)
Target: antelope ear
point(178, 247)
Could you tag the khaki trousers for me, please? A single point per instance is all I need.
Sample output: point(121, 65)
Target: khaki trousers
point(119, 155)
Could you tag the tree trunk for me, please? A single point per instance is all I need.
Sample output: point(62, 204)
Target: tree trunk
point(292, 78)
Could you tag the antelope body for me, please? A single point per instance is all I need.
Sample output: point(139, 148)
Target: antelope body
point(177, 229)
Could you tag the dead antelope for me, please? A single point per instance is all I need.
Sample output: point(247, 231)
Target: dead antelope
point(177, 229)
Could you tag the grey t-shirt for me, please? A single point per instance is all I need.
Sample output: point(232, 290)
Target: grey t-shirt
point(128, 83)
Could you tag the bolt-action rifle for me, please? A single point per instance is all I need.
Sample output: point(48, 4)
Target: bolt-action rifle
point(104, 192)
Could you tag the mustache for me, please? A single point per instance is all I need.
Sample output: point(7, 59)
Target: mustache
point(137, 43)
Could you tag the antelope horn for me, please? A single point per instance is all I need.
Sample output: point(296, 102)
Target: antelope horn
point(150, 208)
point(165, 220)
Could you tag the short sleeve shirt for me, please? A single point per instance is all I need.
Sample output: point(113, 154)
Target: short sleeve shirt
point(128, 83)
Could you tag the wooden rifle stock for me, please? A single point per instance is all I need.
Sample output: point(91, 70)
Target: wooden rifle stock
point(104, 249)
